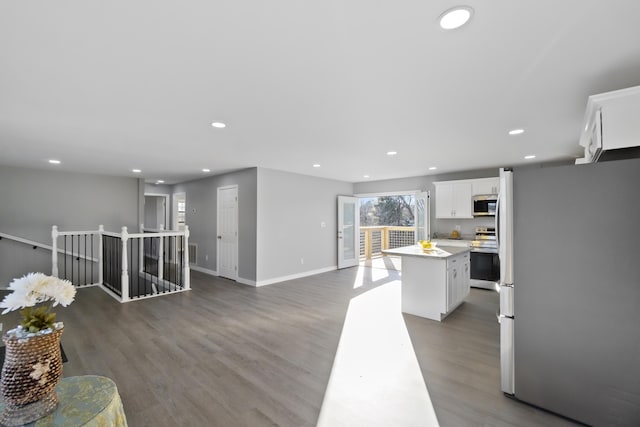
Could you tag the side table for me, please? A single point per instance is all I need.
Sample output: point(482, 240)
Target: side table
point(88, 400)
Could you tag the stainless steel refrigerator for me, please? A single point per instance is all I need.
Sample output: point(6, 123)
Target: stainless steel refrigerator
point(569, 241)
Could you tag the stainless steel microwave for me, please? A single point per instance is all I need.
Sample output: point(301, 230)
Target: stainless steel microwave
point(485, 205)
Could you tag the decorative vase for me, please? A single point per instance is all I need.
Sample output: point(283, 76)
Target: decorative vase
point(32, 368)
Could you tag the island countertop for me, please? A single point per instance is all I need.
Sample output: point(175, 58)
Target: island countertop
point(437, 252)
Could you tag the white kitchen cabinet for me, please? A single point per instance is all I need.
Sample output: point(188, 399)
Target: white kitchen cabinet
point(611, 128)
point(458, 280)
point(483, 186)
point(453, 199)
point(434, 283)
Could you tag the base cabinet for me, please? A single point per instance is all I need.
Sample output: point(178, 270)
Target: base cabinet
point(434, 287)
point(458, 280)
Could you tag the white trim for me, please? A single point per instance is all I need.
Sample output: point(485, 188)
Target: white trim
point(296, 276)
point(111, 293)
point(247, 282)
point(177, 291)
point(156, 234)
point(204, 270)
point(389, 193)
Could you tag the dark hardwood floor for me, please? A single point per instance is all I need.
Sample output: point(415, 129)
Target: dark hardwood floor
point(225, 354)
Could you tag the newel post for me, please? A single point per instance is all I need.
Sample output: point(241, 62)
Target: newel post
point(54, 251)
point(124, 283)
point(100, 255)
point(187, 270)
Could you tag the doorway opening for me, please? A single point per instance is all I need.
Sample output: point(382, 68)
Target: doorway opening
point(179, 211)
point(156, 211)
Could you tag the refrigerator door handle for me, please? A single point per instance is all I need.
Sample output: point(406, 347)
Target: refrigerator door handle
point(497, 222)
point(506, 300)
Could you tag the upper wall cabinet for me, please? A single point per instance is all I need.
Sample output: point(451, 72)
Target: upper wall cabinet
point(611, 129)
point(485, 186)
point(453, 199)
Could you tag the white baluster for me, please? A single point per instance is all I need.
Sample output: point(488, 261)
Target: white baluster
point(141, 251)
point(161, 256)
point(124, 286)
point(100, 258)
point(187, 270)
point(54, 251)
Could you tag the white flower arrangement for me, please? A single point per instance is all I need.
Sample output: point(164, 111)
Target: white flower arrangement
point(35, 288)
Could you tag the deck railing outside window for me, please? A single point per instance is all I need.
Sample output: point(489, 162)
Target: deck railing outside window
point(375, 239)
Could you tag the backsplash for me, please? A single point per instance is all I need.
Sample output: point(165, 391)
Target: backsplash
point(442, 228)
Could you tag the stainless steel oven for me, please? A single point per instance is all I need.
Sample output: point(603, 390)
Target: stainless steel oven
point(485, 262)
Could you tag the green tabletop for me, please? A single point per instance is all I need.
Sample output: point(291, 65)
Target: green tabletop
point(88, 400)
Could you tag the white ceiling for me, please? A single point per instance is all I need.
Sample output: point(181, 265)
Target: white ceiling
point(110, 86)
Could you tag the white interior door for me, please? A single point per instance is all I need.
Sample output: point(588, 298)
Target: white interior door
point(227, 253)
point(423, 213)
point(348, 231)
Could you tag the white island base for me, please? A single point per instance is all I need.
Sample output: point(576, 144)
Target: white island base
point(433, 283)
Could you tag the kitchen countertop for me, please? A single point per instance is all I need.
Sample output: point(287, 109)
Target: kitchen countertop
point(438, 251)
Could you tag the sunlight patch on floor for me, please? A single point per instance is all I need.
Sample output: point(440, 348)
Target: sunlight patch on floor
point(359, 280)
point(376, 379)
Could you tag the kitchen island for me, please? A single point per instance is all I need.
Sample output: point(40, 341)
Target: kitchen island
point(434, 282)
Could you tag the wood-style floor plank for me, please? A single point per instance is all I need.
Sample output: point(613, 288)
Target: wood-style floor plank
point(225, 354)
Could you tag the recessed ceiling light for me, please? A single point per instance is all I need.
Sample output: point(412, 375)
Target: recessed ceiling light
point(455, 17)
point(159, 181)
point(516, 131)
point(316, 165)
point(432, 168)
point(54, 162)
point(391, 153)
point(206, 170)
point(136, 170)
point(218, 125)
point(365, 176)
point(530, 156)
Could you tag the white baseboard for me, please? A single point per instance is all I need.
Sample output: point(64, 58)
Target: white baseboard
point(215, 273)
point(295, 276)
point(266, 282)
point(203, 270)
point(246, 281)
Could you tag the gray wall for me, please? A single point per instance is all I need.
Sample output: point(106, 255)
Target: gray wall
point(291, 209)
point(33, 200)
point(201, 206)
point(425, 183)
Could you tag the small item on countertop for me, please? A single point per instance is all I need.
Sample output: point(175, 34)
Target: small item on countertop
point(426, 245)
point(455, 234)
